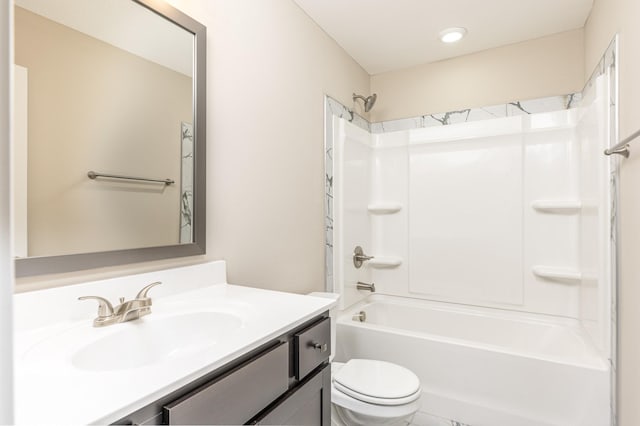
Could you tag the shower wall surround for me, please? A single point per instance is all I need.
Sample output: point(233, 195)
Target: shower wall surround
point(505, 206)
point(334, 109)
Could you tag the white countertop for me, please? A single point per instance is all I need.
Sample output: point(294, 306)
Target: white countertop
point(51, 390)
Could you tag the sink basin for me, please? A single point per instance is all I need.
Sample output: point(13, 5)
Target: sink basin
point(151, 340)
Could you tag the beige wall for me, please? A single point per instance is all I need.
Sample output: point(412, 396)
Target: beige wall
point(93, 106)
point(269, 66)
point(609, 17)
point(537, 68)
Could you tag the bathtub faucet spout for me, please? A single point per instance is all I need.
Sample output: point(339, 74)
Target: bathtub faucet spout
point(365, 286)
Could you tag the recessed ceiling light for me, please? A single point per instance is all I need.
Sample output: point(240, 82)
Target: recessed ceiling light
point(451, 35)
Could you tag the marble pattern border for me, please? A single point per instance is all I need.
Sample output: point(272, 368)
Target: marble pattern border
point(534, 106)
point(335, 108)
point(186, 183)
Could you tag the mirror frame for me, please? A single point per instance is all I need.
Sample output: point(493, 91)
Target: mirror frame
point(82, 261)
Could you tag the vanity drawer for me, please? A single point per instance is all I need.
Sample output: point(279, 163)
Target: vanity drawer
point(307, 405)
point(237, 396)
point(312, 347)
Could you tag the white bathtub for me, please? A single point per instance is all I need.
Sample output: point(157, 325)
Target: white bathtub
point(484, 367)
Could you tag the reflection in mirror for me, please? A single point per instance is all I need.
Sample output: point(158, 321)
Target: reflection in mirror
point(105, 86)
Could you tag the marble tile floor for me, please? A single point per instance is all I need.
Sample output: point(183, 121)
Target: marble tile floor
point(424, 419)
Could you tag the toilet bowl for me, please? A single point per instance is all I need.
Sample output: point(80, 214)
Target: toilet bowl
point(370, 392)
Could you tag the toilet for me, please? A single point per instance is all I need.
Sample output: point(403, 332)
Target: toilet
point(370, 392)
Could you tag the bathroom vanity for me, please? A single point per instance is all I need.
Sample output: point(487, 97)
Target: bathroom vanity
point(209, 353)
point(287, 381)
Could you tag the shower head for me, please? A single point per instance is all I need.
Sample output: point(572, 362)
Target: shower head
point(368, 101)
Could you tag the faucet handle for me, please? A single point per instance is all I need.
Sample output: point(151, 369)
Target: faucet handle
point(359, 257)
point(105, 309)
point(142, 294)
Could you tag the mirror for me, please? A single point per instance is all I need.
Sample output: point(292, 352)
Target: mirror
point(109, 134)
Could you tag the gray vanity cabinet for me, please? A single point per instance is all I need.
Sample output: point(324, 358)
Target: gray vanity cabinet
point(287, 381)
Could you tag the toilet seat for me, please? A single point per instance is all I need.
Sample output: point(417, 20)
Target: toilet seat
point(380, 411)
point(377, 382)
point(377, 401)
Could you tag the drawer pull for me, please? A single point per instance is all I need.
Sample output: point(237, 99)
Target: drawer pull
point(321, 346)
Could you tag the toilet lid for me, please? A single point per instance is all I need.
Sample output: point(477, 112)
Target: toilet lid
point(377, 382)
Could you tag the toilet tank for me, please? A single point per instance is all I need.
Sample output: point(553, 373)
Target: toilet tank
point(332, 314)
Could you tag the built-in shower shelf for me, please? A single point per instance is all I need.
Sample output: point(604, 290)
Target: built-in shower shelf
point(557, 206)
point(551, 272)
point(385, 262)
point(384, 208)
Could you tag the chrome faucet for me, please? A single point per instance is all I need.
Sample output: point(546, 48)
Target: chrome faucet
point(125, 311)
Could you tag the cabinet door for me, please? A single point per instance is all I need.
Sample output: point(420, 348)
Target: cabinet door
point(312, 347)
point(308, 405)
point(237, 397)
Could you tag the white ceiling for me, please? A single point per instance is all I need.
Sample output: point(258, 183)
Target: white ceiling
point(386, 35)
point(124, 24)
